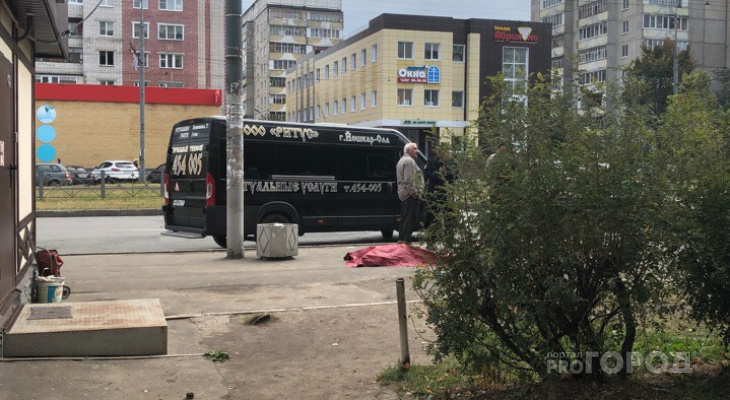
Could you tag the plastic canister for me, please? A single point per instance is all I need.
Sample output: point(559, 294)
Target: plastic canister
point(50, 289)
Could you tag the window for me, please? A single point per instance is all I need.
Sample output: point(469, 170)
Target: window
point(311, 114)
point(557, 63)
point(405, 50)
point(458, 53)
point(344, 65)
point(625, 5)
point(284, 64)
point(171, 5)
point(55, 79)
point(286, 30)
point(75, 27)
point(171, 61)
point(344, 106)
point(75, 1)
point(336, 107)
point(625, 27)
point(277, 99)
point(374, 99)
point(137, 29)
point(277, 81)
point(514, 68)
point(278, 47)
point(592, 8)
point(431, 98)
point(587, 78)
point(326, 72)
point(317, 74)
point(664, 22)
point(362, 101)
point(335, 68)
point(593, 30)
point(106, 28)
point(593, 54)
point(317, 112)
point(277, 116)
point(324, 33)
point(374, 53)
point(106, 83)
point(352, 104)
point(106, 58)
point(549, 3)
point(624, 51)
point(140, 4)
point(146, 60)
point(405, 97)
point(363, 57)
point(284, 13)
point(353, 61)
point(170, 32)
point(555, 20)
point(432, 51)
point(457, 99)
point(326, 110)
point(171, 84)
point(327, 17)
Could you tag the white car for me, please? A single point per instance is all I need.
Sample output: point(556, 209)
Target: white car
point(116, 170)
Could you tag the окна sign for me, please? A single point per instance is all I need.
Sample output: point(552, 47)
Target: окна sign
point(523, 34)
point(425, 74)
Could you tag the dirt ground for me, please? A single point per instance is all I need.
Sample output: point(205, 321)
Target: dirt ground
point(321, 354)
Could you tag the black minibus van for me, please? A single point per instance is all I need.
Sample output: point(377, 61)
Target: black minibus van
point(323, 177)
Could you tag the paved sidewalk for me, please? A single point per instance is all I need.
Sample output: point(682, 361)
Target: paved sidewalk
point(333, 329)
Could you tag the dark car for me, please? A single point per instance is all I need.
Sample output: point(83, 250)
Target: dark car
point(155, 175)
point(80, 175)
point(52, 175)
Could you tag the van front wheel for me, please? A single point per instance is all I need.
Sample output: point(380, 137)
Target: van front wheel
point(221, 241)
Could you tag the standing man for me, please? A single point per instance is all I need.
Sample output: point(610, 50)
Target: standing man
point(410, 184)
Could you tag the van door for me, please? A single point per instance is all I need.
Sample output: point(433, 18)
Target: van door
point(188, 168)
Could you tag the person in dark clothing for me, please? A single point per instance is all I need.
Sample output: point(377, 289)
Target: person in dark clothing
point(437, 176)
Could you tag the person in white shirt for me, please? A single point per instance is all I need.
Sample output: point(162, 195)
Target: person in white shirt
point(410, 187)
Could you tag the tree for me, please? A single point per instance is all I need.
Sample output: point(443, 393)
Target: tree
point(650, 77)
point(558, 248)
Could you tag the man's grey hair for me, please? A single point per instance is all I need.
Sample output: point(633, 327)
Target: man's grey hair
point(408, 146)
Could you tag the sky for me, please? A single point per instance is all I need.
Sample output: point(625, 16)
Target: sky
point(359, 12)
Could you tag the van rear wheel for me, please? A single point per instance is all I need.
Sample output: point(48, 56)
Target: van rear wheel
point(221, 241)
point(387, 234)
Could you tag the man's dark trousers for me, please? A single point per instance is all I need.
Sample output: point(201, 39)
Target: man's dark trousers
point(408, 218)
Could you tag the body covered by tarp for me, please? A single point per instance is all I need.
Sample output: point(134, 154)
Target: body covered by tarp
point(390, 255)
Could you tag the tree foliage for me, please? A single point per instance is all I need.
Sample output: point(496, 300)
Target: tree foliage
point(651, 76)
point(580, 229)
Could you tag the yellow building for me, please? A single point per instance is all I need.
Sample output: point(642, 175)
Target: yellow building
point(414, 73)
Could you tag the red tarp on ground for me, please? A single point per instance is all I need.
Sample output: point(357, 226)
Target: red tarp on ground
point(390, 255)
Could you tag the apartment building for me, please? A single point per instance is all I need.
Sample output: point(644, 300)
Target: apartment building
point(276, 34)
point(182, 44)
point(603, 36)
point(415, 73)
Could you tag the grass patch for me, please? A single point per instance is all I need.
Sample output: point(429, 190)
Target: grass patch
point(117, 196)
point(434, 381)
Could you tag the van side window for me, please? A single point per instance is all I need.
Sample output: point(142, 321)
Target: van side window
point(312, 160)
point(259, 160)
point(366, 164)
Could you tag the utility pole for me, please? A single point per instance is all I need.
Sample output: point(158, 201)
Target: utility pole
point(675, 59)
point(234, 129)
point(142, 63)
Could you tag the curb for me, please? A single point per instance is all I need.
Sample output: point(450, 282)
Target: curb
point(99, 213)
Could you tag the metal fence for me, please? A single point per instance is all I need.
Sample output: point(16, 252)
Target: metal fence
point(102, 188)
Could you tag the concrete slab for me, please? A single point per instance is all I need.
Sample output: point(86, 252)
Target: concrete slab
point(100, 328)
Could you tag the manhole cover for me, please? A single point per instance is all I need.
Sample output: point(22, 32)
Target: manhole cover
point(50, 312)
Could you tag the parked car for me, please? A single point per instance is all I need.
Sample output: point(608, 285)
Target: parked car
point(156, 175)
point(80, 175)
point(52, 175)
point(116, 170)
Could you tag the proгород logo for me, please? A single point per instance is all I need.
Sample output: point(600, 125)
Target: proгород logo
point(613, 362)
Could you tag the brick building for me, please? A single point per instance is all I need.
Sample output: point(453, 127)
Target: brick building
point(182, 44)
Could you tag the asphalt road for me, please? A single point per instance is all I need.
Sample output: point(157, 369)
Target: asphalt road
point(110, 235)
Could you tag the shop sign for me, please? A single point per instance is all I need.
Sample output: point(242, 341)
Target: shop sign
point(417, 122)
point(424, 74)
point(522, 34)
